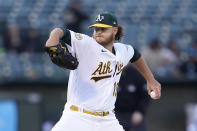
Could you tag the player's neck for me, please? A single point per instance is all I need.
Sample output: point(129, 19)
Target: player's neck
point(109, 46)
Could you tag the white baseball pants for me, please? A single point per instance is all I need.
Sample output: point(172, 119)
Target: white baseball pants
point(79, 121)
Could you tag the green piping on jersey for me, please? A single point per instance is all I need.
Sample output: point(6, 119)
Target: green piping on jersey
point(136, 55)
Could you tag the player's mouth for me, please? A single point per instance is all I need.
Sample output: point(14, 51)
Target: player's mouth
point(99, 36)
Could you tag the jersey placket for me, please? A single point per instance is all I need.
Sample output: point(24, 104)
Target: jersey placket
point(115, 77)
point(117, 57)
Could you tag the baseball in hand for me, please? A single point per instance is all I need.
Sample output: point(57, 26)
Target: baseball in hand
point(153, 95)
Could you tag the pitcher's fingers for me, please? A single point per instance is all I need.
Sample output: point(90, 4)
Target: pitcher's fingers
point(149, 90)
point(158, 93)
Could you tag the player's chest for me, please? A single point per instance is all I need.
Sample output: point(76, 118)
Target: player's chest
point(106, 66)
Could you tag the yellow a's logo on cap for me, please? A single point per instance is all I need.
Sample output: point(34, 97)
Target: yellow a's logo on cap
point(99, 18)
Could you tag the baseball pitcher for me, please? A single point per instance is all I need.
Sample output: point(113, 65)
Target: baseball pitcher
point(96, 64)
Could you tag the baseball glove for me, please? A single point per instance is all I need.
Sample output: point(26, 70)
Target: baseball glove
point(62, 57)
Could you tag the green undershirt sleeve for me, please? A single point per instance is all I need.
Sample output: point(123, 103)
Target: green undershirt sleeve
point(136, 55)
point(67, 37)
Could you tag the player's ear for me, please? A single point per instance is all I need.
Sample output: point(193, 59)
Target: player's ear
point(93, 33)
point(115, 30)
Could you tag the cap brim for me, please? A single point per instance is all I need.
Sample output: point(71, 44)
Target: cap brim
point(100, 25)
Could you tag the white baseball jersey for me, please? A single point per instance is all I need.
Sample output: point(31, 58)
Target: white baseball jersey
point(93, 85)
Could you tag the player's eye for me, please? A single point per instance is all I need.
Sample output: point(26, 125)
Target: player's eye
point(99, 28)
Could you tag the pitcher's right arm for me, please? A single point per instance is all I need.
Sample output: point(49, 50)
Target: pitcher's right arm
point(54, 37)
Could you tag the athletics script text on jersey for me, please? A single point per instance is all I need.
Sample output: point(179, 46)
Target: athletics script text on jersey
point(104, 71)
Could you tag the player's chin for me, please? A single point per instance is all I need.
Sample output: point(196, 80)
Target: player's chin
point(99, 40)
point(102, 43)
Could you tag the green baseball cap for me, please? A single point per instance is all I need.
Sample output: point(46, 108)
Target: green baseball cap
point(105, 20)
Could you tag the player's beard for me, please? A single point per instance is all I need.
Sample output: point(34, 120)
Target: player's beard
point(107, 41)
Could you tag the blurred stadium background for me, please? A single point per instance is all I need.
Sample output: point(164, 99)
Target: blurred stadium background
point(33, 90)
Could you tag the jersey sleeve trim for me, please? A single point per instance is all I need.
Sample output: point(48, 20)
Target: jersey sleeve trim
point(136, 55)
point(67, 37)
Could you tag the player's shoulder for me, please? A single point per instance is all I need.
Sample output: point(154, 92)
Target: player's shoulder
point(122, 46)
point(80, 36)
point(126, 50)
